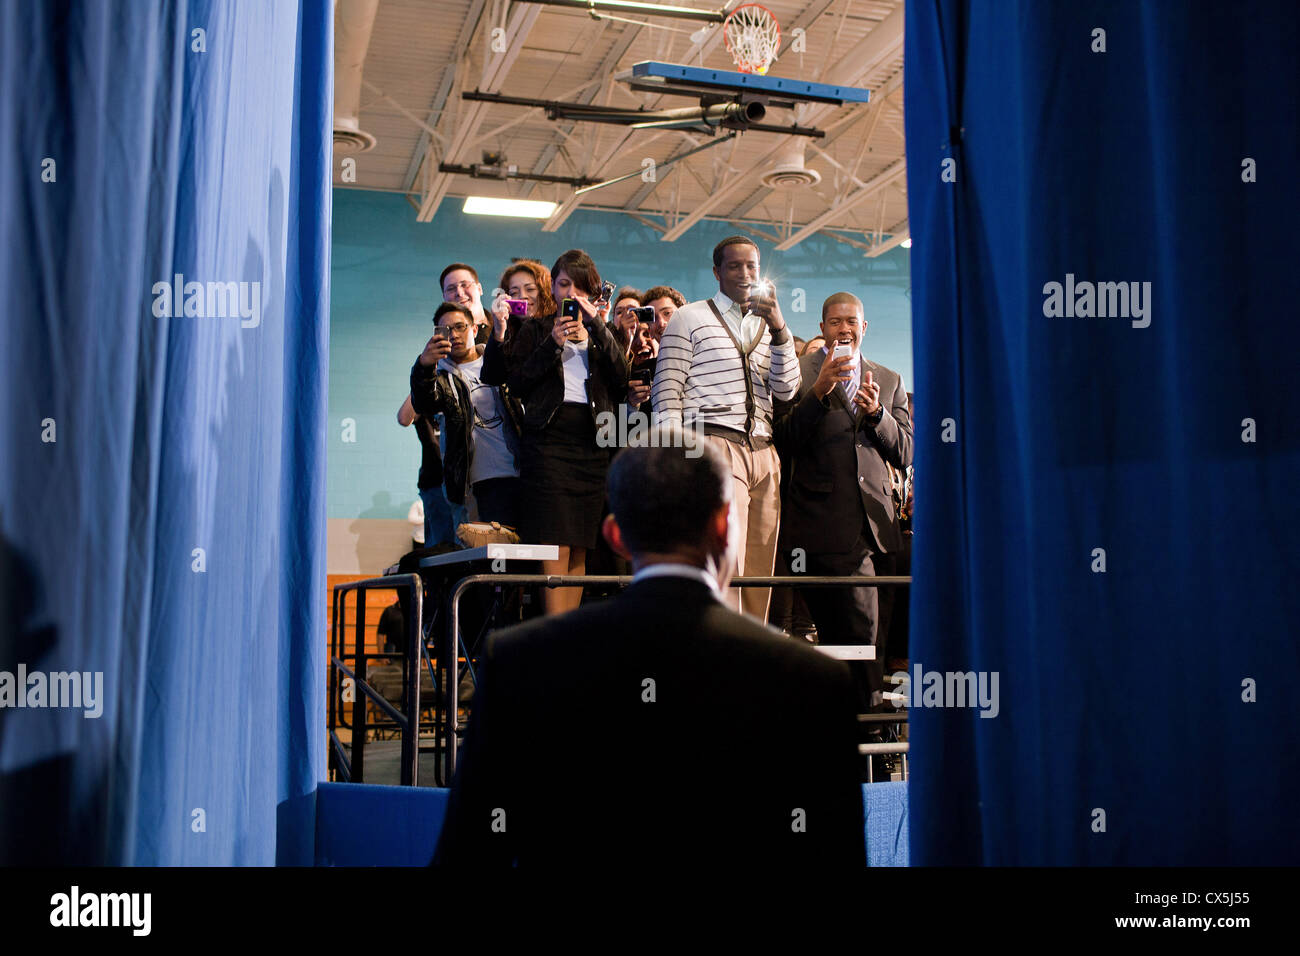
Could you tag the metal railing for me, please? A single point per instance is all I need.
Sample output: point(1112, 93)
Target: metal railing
point(875, 750)
point(458, 645)
point(408, 723)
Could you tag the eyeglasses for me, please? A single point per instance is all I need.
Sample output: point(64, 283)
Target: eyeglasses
point(458, 328)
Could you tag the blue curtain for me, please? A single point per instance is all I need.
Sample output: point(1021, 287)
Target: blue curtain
point(1148, 711)
point(164, 183)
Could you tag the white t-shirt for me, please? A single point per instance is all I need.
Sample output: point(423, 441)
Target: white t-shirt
point(490, 456)
point(576, 368)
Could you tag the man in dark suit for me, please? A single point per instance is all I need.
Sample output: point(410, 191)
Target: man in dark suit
point(659, 728)
point(848, 420)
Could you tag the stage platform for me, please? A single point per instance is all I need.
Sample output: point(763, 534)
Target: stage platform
point(371, 825)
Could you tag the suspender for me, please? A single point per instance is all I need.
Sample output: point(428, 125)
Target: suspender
point(744, 365)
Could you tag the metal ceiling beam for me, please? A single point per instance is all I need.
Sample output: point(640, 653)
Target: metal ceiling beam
point(701, 50)
point(894, 83)
point(606, 67)
point(495, 70)
point(877, 182)
point(882, 44)
point(806, 19)
point(467, 31)
point(899, 232)
point(640, 8)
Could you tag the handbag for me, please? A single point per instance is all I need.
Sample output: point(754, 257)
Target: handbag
point(477, 534)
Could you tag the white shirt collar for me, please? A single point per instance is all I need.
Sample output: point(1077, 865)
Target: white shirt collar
point(744, 325)
point(672, 570)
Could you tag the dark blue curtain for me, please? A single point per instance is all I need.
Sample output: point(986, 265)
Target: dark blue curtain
point(162, 489)
point(1148, 711)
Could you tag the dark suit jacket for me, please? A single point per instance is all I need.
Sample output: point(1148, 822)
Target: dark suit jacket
point(749, 737)
point(531, 365)
point(834, 458)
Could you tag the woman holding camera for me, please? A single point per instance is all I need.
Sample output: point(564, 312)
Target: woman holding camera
point(567, 369)
point(525, 281)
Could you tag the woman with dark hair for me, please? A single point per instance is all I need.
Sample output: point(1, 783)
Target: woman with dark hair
point(566, 371)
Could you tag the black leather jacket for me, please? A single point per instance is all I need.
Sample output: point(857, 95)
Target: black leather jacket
point(434, 390)
point(529, 363)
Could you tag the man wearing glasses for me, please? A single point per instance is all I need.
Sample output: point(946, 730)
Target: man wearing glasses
point(459, 284)
point(481, 436)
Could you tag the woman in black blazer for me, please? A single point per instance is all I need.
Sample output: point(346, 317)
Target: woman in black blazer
point(566, 372)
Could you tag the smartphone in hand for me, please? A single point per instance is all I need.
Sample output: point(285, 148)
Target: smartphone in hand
point(842, 350)
point(570, 310)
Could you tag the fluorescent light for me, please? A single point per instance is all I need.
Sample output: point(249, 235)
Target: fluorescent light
point(519, 208)
point(906, 243)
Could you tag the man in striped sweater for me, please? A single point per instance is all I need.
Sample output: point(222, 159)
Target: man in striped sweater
point(721, 362)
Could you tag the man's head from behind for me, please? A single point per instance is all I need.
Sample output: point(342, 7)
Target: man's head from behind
point(670, 501)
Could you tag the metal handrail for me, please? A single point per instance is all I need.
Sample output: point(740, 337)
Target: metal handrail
point(870, 750)
point(408, 723)
point(583, 580)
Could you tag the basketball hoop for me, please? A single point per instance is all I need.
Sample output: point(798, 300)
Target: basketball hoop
point(753, 36)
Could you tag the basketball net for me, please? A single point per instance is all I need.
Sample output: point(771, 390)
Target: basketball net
point(753, 36)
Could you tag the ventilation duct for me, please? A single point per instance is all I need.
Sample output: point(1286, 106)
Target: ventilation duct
point(789, 171)
point(353, 21)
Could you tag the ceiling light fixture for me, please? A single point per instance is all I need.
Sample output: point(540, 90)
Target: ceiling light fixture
point(517, 208)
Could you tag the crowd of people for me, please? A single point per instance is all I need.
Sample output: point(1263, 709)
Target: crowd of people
point(817, 436)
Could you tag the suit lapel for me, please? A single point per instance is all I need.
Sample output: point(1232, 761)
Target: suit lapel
point(838, 398)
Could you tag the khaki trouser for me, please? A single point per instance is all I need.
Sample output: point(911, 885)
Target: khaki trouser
point(756, 496)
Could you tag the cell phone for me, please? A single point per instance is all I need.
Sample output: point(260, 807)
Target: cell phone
point(607, 290)
point(570, 309)
point(440, 332)
point(642, 373)
point(518, 306)
point(842, 351)
point(644, 313)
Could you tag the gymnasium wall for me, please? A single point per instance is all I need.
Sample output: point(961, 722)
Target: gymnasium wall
point(385, 288)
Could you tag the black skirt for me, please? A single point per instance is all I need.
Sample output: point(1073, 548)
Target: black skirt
point(562, 471)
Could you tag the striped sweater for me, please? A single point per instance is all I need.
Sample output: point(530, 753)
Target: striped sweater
point(699, 374)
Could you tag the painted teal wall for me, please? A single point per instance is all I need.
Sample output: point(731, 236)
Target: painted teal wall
point(385, 289)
